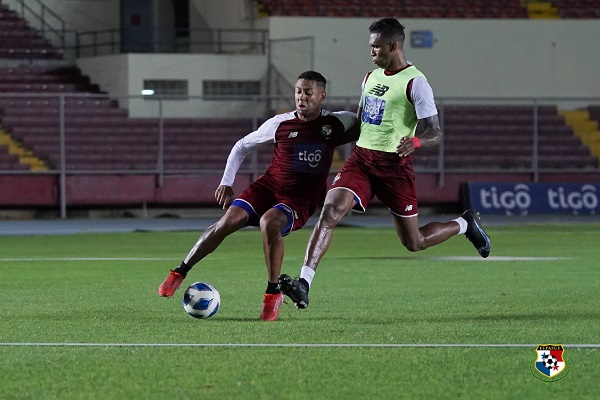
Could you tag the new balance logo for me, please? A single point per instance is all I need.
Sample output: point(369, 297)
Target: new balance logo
point(379, 90)
point(293, 135)
point(408, 208)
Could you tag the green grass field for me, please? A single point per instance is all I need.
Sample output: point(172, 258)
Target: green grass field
point(99, 291)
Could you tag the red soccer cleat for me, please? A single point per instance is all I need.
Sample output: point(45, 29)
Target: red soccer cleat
point(171, 284)
point(271, 305)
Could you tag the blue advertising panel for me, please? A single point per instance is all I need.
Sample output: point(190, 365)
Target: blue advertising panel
point(534, 198)
point(421, 39)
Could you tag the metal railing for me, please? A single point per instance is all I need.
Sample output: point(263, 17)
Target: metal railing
point(75, 44)
point(49, 23)
point(178, 40)
point(58, 123)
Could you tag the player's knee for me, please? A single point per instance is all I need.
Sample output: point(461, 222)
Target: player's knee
point(331, 215)
point(230, 224)
point(272, 226)
point(414, 245)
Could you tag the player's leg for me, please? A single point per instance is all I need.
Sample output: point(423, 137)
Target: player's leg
point(337, 204)
point(273, 224)
point(351, 188)
point(419, 238)
point(234, 219)
point(416, 238)
point(398, 192)
point(396, 188)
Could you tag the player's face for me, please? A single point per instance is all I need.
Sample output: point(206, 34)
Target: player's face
point(309, 97)
point(381, 50)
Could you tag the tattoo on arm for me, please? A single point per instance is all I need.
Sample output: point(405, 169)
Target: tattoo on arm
point(432, 133)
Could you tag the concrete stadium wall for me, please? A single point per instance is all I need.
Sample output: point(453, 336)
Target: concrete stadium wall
point(469, 58)
point(497, 58)
point(480, 57)
point(124, 74)
point(136, 190)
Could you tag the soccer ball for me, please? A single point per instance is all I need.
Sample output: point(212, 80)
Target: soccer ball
point(201, 300)
point(550, 361)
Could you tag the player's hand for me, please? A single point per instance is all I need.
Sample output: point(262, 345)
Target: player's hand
point(224, 196)
point(405, 147)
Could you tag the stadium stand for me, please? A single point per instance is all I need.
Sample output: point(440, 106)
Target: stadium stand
point(397, 8)
point(100, 137)
point(498, 136)
point(18, 40)
point(577, 8)
point(513, 9)
point(585, 124)
point(10, 161)
point(594, 111)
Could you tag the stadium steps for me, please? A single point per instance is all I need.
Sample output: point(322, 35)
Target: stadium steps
point(571, 9)
point(585, 128)
point(542, 10)
point(407, 8)
point(20, 40)
point(26, 157)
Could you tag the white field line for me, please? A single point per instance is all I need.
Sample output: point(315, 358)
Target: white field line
point(441, 258)
point(496, 258)
point(88, 259)
point(464, 345)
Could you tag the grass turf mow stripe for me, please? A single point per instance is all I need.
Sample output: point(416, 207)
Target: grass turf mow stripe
point(442, 258)
point(478, 345)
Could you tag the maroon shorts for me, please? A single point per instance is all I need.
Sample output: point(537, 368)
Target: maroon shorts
point(258, 198)
point(369, 173)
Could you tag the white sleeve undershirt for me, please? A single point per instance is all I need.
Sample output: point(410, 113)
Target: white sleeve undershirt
point(422, 97)
point(263, 135)
point(348, 118)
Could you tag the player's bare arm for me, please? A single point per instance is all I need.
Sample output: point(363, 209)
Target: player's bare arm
point(224, 196)
point(430, 137)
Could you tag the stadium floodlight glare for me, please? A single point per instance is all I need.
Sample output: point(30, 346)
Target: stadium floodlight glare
point(147, 92)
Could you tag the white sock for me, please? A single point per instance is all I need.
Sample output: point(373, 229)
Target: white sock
point(463, 224)
point(307, 274)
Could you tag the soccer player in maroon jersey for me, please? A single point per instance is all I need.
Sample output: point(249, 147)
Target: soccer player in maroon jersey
point(395, 98)
point(289, 192)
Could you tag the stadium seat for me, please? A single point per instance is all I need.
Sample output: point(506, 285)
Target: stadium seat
point(488, 137)
point(397, 8)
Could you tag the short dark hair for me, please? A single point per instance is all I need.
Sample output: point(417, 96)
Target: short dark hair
point(314, 76)
point(389, 28)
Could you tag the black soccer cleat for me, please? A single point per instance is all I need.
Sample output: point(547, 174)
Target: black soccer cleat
point(476, 234)
point(294, 289)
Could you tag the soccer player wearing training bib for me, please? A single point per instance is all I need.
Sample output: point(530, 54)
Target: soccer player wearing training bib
point(287, 194)
point(395, 98)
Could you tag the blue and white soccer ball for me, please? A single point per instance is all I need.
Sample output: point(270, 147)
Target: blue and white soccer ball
point(201, 300)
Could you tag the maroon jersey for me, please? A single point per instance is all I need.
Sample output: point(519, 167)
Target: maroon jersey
point(302, 155)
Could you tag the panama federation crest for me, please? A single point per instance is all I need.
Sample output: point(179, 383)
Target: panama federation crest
point(550, 362)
